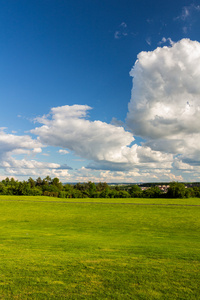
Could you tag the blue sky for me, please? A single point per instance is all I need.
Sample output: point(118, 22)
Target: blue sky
point(70, 105)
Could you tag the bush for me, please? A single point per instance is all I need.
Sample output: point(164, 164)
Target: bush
point(50, 194)
point(62, 194)
point(36, 192)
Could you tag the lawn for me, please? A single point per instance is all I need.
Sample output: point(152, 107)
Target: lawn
point(54, 249)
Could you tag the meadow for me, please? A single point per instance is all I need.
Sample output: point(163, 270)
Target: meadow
point(52, 248)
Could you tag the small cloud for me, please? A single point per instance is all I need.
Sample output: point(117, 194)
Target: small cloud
point(164, 40)
point(61, 151)
point(148, 40)
point(117, 35)
point(185, 13)
point(122, 31)
point(123, 24)
point(185, 29)
point(188, 16)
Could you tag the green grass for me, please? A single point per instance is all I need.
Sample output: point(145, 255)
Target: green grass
point(60, 250)
point(190, 201)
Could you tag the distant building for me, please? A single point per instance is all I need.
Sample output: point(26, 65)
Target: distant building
point(163, 188)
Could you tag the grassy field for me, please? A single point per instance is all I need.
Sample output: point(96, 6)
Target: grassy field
point(54, 249)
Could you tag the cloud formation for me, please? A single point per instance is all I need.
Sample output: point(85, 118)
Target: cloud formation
point(187, 11)
point(165, 102)
point(10, 143)
point(188, 16)
point(67, 127)
point(63, 152)
point(133, 175)
point(121, 32)
point(11, 146)
point(107, 145)
point(165, 40)
point(164, 111)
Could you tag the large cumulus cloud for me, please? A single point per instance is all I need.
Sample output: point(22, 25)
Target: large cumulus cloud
point(107, 145)
point(166, 92)
point(67, 127)
point(165, 102)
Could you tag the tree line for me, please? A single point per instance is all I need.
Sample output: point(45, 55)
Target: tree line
point(54, 188)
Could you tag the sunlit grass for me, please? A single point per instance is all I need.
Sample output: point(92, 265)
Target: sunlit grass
point(55, 250)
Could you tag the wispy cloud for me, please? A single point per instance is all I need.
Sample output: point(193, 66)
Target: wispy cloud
point(187, 12)
point(122, 31)
point(148, 41)
point(166, 40)
point(187, 16)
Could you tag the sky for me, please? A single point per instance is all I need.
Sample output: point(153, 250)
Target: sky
point(100, 90)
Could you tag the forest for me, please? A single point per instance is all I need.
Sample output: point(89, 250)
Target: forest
point(55, 188)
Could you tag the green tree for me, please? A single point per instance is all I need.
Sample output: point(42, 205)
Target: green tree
point(38, 181)
point(92, 189)
point(105, 193)
point(48, 179)
point(24, 188)
point(176, 190)
point(101, 186)
point(135, 191)
point(189, 192)
point(196, 190)
point(123, 194)
point(56, 182)
point(3, 189)
point(32, 182)
point(36, 191)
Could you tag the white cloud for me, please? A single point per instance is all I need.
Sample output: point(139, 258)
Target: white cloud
point(148, 41)
point(134, 175)
point(13, 145)
point(188, 16)
point(63, 175)
point(107, 145)
point(121, 32)
point(68, 128)
point(187, 12)
point(173, 177)
point(164, 110)
point(178, 164)
point(62, 151)
point(34, 168)
point(166, 91)
point(165, 40)
point(165, 103)
point(28, 164)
